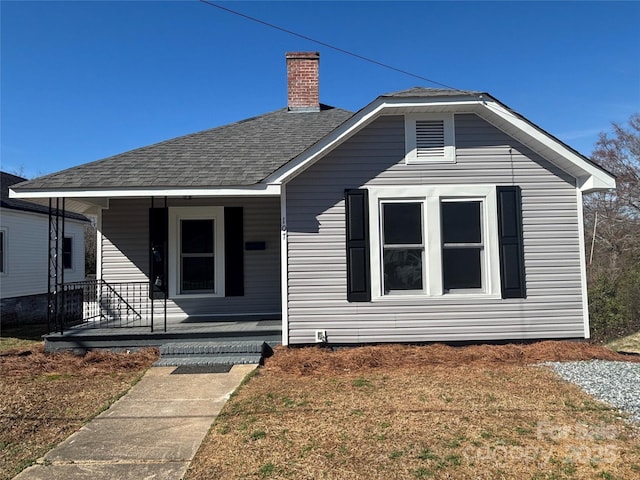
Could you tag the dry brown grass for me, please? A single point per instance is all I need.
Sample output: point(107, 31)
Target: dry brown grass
point(46, 397)
point(478, 412)
point(630, 344)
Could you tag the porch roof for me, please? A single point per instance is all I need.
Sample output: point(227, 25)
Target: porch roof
point(7, 181)
point(236, 155)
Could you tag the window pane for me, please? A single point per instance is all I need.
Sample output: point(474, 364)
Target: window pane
point(403, 269)
point(67, 252)
point(198, 274)
point(1, 252)
point(461, 222)
point(461, 268)
point(402, 223)
point(197, 236)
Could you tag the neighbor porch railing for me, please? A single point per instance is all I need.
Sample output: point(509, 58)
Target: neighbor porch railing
point(98, 304)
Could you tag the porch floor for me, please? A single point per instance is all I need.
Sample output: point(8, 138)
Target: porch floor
point(186, 329)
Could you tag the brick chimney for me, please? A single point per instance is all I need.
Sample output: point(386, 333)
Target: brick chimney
point(302, 81)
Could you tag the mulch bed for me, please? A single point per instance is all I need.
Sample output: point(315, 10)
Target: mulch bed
point(321, 361)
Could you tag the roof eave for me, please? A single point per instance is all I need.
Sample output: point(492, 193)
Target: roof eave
point(94, 193)
point(589, 176)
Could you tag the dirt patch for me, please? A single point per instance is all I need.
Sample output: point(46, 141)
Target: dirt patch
point(320, 361)
point(629, 344)
point(46, 397)
point(405, 412)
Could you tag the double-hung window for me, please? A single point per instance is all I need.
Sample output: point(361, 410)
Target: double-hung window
point(196, 251)
point(67, 253)
point(434, 241)
point(463, 259)
point(197, 256)
point(402, 247)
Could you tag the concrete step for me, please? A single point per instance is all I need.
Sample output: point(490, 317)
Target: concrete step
point(209, 348)
point(199, 360)
point(212, 353)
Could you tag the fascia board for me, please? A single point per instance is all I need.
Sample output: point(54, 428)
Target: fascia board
point(253, 190)
point(83, 206)
point(590, 177)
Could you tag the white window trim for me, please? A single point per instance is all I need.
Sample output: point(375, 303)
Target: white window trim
point(411, 143)
point(425, 251)
point(431, 196)
point(483, 245)
point(176, 214)
point(5, 259)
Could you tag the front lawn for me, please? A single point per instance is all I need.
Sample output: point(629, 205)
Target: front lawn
point(480, 412)
point(16, 336)
point(46, 397)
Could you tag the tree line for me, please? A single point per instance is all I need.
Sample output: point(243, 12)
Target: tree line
point(612, 235)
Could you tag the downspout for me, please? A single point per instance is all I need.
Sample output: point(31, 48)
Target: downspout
point(583, 264)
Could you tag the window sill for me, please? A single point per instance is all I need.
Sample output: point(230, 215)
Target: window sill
point(415, 298)
point(195, 295)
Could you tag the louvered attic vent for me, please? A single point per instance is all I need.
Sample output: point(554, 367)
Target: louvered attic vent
point(429, 138)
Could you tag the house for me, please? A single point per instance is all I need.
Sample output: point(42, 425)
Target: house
point(428, 215)
point(24, 234)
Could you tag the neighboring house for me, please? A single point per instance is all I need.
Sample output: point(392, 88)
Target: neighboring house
point(24, 234)
point(428, 215)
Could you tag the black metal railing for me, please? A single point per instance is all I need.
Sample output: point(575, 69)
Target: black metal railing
point(98, 304)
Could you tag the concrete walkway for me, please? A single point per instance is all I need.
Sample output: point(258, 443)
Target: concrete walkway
point(153, 432)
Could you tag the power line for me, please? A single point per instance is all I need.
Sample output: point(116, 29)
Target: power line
point(324, 44)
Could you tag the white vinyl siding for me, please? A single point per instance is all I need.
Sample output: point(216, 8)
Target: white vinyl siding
point(375, 157)
point(26, 258)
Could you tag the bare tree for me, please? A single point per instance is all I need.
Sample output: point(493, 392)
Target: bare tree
point(612, 227)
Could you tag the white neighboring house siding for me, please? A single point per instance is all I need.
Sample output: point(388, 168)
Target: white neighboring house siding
point(484, 155)
point(26, 256)
point(125, 258)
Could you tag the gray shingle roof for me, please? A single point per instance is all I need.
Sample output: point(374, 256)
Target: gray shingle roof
point(430, 92)
point(238, 154)
point(6, 181)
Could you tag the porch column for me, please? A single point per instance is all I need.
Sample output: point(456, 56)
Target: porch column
point(55, 267)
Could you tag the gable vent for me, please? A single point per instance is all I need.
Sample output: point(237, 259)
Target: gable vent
point(429, 138)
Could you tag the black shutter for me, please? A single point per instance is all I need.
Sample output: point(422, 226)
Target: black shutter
point(357, 239)
point(233, 252)
point(158, 249)
point(512, 276)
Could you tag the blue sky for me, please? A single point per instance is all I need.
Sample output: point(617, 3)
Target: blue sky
point(85, 80)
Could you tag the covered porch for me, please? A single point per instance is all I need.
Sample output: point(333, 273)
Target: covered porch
point(140, 298)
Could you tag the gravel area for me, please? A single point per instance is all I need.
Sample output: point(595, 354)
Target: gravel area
point(616, 383)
